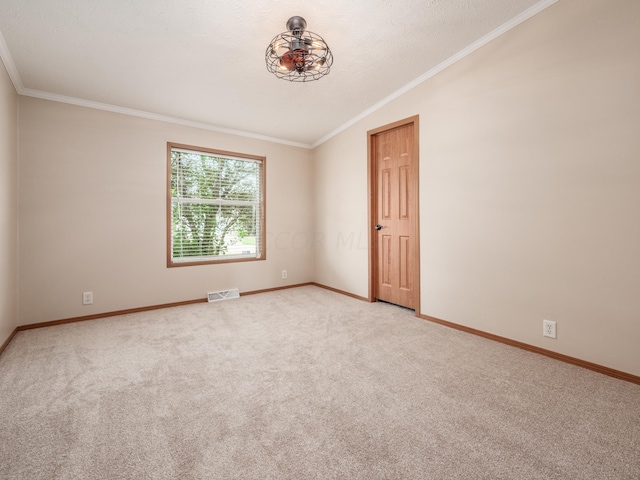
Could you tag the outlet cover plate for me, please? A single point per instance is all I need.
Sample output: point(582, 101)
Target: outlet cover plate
point(549, 328)
point(87, 298)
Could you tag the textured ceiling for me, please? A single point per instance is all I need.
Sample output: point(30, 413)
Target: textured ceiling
point(202, 61)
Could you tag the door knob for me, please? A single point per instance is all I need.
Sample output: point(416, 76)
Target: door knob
point(379, 227)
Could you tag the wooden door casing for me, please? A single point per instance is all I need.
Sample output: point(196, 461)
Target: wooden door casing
point(393, 172)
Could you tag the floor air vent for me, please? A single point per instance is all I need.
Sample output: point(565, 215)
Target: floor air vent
point(223, 295)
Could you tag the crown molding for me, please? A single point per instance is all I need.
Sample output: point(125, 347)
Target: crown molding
point(155, 116)
point(10, 66)
point(514, 22)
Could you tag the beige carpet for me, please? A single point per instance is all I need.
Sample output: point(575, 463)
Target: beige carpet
point(302, 384)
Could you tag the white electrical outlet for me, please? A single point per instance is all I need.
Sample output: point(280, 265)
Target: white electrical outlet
point(284, 274)
point(549, 328)
point(87, 298)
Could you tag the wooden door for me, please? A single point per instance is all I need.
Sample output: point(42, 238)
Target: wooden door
point(395, 215)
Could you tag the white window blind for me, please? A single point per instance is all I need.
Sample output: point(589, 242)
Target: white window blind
point(216, 207)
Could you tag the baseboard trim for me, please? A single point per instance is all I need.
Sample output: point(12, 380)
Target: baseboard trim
point(342, 292)
point(275, 289)
point(97, 316)
point(541, 351)
point(138, 310)
point(8, 341)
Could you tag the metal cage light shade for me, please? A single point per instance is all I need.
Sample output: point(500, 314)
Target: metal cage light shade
point(298, 55)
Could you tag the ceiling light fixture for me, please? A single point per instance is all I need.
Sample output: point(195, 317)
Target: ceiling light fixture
point(298, 55)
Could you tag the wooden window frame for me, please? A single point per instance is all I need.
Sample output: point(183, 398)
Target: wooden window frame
point(263, 183)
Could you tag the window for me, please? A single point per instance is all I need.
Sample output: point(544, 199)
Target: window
point(215, 206)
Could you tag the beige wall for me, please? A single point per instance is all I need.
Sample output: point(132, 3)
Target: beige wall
point(8, 206)
point(93, 213)
point(529, 185)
